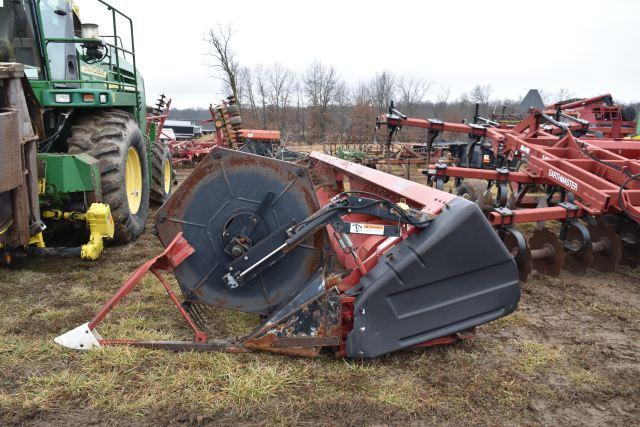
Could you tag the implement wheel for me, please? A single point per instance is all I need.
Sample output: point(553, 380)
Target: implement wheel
point(161, 173)
point(114, 139)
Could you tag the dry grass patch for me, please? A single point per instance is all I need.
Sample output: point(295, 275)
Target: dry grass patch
point(514, 319)
point(586, 377)
point(534, 355)
point(136, 382)
point(619, 311)
point(399, 394)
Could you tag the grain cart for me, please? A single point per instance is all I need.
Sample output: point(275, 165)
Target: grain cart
point(96, 162)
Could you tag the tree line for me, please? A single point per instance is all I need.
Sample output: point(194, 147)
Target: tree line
point(319, 105)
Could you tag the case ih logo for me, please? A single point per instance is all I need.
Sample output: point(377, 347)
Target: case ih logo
point(563, 180)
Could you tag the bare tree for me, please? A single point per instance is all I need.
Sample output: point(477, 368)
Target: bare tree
point(262, 91)
point(320, 85)
point(342, 99)
point(443, 95)
point(480, 94)
point(247, 91)
point(412, 92)
point(320, 82)
point(300, 108)
point(442, 98)
point(361, 94)
point(224, 64)
point(564, 94)
point(383, 88)
point(361, 112)
point(280, 82)
point(303, 105)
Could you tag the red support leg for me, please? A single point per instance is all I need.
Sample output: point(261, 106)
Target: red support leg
point(199, 336)
point(176, 252)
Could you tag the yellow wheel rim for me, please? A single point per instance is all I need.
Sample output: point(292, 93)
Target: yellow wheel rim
point(133, 180)
point(167, 176)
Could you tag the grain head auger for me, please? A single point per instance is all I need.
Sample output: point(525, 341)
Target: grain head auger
point(332, 255)
point(550, 168)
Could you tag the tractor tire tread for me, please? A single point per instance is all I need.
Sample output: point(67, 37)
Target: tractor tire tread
point(159, 152)
point(105, 135)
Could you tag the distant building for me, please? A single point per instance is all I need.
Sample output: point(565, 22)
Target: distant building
point(531, 100)
point(183, 129)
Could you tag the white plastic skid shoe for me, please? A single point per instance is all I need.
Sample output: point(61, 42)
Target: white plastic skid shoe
point(80, 338)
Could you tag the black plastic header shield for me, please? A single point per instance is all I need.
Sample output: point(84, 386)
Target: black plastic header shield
point(453, 275)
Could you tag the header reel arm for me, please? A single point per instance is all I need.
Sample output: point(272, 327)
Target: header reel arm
point(277, 245)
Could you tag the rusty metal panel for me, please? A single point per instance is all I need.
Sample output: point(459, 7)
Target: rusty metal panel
point(29, 150)
point(14, 97)
point(10, 159)
point(11, 70)
point(303, 326)
point(18, 175)
point(20, 233)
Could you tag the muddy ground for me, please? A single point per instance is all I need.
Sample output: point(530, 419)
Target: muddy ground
point(570, 354)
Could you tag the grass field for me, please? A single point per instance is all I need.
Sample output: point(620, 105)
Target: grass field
point(569, 354)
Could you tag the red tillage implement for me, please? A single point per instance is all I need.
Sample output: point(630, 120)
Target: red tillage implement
point(590, 185)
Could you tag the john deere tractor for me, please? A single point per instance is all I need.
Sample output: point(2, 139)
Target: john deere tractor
point(73, 120)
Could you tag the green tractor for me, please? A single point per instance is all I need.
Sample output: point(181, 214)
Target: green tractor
point(92, 160)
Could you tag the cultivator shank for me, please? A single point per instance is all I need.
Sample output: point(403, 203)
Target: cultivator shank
point(332, 256)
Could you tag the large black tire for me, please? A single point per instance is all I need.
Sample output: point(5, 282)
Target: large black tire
point(107, 135)
point(161, 185)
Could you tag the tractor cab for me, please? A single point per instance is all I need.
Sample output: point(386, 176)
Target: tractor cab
point(20, 39)
point(69, 64)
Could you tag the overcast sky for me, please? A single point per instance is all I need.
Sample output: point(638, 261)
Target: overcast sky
point(589, 47)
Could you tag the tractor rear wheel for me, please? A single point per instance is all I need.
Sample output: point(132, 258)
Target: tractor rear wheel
point(161, 173)
point(114, 139)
